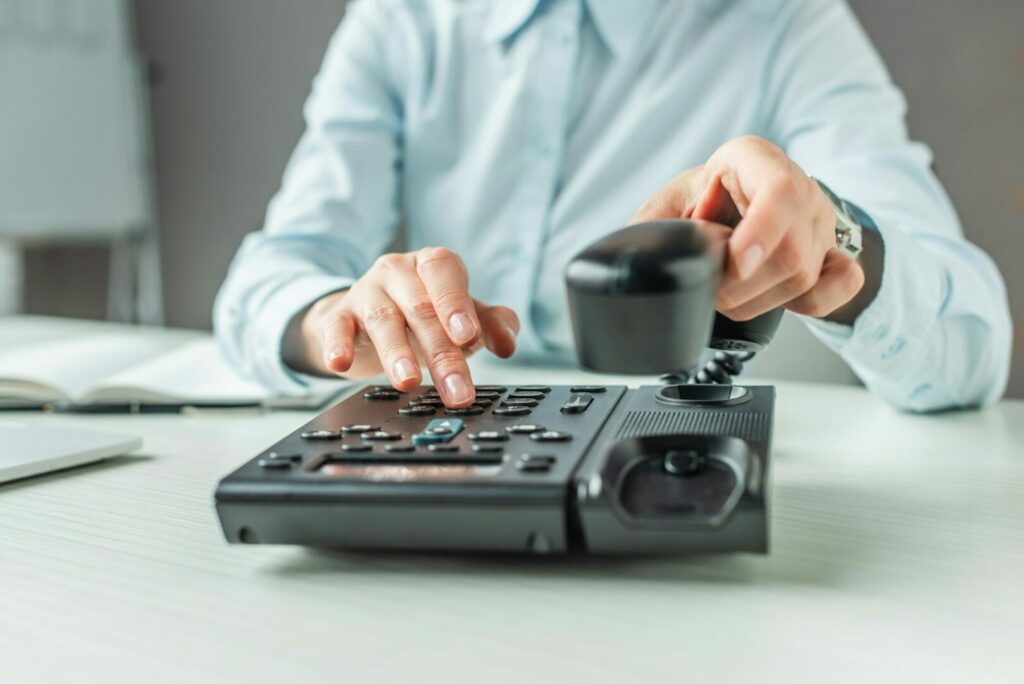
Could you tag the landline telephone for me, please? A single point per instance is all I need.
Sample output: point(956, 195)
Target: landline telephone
point(680, 467)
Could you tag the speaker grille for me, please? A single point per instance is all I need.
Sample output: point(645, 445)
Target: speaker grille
point(749, 425)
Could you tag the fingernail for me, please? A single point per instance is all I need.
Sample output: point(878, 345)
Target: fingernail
point(750, 260)
point(334, 353)
point(403, 370)
point(457, 389)
point(461, 327)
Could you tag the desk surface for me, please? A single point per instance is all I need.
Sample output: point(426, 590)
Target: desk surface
point(897, 555)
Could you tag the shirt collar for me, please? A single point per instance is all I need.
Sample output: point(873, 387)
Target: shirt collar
point(619, 23)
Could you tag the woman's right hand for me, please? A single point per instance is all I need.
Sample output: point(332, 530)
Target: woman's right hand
point(408, 310)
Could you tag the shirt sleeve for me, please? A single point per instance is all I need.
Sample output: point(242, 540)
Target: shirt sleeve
point(938, 334)
point(337, 206)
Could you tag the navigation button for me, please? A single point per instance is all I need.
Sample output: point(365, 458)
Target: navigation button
point(438, 431)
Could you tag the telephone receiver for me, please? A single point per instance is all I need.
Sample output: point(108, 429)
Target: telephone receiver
point(642, 300)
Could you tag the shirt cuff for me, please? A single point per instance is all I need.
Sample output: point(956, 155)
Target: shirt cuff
point(278, 311)
point(886, 344)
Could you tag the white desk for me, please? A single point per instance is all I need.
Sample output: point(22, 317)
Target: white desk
point(897, 555)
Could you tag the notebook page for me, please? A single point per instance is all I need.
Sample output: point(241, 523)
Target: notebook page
point(193, 373)
point(73, 366)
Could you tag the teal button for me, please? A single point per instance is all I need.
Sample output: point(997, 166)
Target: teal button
point(438, 431)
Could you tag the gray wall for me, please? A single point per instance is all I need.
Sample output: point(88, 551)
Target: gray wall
point(230, 79)
point(231, 76)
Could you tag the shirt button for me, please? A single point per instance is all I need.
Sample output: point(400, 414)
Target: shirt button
point(920, 390)
point(895, 348)
point(878, 333)
point(565, 39)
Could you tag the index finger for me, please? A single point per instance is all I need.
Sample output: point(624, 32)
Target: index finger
point(675, 200)
point(770, 213)
point(447, 283)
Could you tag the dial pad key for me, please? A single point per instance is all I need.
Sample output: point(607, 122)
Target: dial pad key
point(520, 402)
point(526, 395)
point(417, 410)
point(511, 411)
point(283, 456)
point(381, 396)
point(275, 463)
point(590, 389)
point(468, 411)
point(535, 463)
point(320, 434)
point(356, 429)
point(523, 429)
point(382, 436)
point(551, 436)
point(490, 396)
point(489, 436)
point(533, 388)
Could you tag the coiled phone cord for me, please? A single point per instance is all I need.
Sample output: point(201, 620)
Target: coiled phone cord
point(718, 370)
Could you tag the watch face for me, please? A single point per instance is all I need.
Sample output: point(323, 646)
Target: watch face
point(848, 231)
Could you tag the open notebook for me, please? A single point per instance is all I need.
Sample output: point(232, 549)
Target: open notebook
point(126, 369)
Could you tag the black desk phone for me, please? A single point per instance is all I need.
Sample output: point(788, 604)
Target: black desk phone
point(681, 467)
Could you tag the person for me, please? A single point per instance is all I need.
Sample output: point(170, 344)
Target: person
point(506, 136)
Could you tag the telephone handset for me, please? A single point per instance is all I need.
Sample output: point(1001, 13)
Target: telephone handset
point(642, 301)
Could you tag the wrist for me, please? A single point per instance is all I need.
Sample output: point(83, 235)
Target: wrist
point(871, 261)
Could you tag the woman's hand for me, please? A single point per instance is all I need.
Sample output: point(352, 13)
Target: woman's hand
point(783, 249)
point(408, 310)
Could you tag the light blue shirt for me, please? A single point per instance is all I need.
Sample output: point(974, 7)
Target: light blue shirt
point(516, 132)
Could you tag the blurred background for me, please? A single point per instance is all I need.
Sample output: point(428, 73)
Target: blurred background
point(207, 95)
